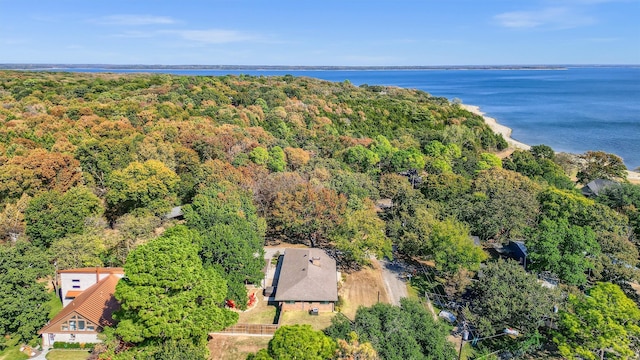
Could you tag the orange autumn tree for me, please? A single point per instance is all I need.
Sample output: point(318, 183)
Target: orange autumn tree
point(307, 214)
point(39, 170)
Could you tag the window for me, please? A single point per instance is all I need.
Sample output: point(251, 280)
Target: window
point(324, 302)
point(80, 324)
point(91, 328)
point(65, 327)
point(72, 325)
point(290, 301)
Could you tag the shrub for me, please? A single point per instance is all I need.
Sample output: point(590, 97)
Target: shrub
point(73, 345)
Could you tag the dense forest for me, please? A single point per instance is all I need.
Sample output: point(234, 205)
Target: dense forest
point(90, 164)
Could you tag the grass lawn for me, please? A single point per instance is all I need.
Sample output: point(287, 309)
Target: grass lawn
point(318, 322)
point(54, 303)
point(261, 313)
point(13, 353)
point(64, 354)
point(412, 292)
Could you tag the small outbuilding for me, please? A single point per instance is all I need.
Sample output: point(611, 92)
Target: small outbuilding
point(175, 213)
point(518, 251)
point(594, 187)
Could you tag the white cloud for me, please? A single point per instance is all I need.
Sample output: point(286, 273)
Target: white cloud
point(555, 18)
point(214, 36)
point(135, 20)
point(603, 40)
point(135, 34)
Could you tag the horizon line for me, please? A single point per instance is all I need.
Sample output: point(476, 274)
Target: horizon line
point(30, 66)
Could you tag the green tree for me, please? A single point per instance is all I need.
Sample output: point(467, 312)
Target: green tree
point(149, 186)
point(604, 323)
point(23, 296)
point(98, 158)
point(600, 165)
point(563, 249)
point(625, 199)
point(353, 185)
point(452, 248)
point(51, 215)
point(408, 159)
point(488, 161)
point(440, 156)
point(507, 296)
point(301, 342)
point(361, 158)
point(259, 155)
point(132, 230)
point(502, 206)
point(168, 295)
point(617, 258)
point(445, 187)
point(232, 235)
point(405, 332)
point(536, 164)
point(361, 235)
point(277, 160)
point(383, 148)
point(78, 250)
point(542, 152)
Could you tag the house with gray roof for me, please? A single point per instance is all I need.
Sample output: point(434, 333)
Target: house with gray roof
point(308, 280)
point(594, 187)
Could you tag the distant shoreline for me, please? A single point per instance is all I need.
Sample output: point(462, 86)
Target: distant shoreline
point(632, 176)
point(53, 67)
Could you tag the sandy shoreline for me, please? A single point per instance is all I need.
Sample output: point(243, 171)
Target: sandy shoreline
point(497, 128)
point(633, 177)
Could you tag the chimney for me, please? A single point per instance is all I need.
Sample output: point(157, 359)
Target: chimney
point(315, 260)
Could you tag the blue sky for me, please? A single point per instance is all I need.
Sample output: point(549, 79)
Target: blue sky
point(328, 32)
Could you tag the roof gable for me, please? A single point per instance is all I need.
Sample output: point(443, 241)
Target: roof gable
point(96, 304)
point(302, 280)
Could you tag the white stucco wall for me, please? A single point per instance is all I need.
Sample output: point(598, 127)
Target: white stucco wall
point(85, 280)
point(80, 338)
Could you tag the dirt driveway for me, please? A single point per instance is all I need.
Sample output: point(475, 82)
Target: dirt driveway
point(394, 283)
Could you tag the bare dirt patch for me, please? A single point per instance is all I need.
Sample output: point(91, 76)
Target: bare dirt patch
point(235, 347)
point(362, 288)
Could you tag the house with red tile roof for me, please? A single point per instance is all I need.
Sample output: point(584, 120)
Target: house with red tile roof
point(90, 304)
point(72, 282)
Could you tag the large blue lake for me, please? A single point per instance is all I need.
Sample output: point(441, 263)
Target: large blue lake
point(572, 110)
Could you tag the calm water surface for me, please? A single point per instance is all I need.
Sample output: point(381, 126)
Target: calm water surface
point(571, 110)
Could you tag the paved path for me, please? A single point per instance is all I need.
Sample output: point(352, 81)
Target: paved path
point(42, 355)
point(394, 283)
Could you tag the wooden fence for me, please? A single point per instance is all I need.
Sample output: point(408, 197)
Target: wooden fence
point(251, 329)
